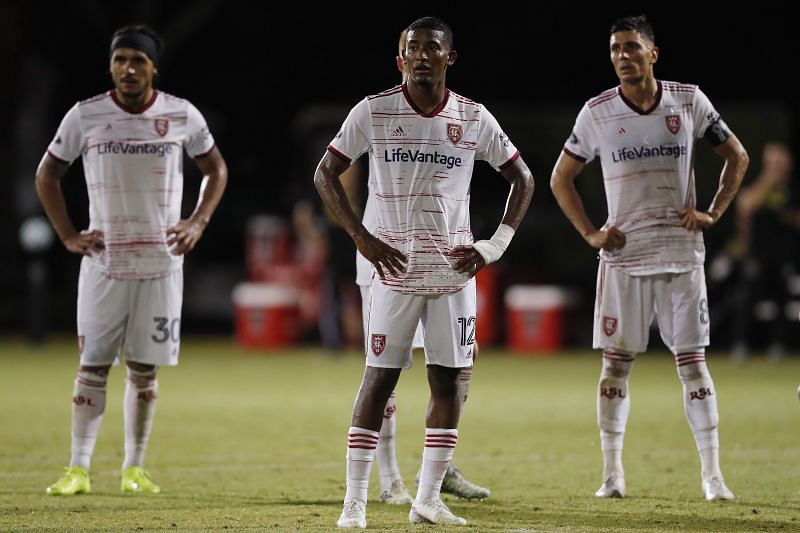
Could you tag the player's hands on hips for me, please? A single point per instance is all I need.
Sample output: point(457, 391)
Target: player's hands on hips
point(183, 236)
point(380, 254)
point(695, 220)
point(85, 242)
point(607, 239)
point(468, 260)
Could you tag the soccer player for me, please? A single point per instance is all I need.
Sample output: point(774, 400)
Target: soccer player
point(130, 288)
point(423, 141)
point(651, 246)
point(393, 489)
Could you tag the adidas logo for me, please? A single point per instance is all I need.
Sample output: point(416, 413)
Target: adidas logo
point(398, 132)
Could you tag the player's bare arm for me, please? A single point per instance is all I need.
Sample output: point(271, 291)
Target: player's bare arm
point(329, 186)
point(519, 198)
point(48, 188)
point(736, 161)
point(184, 235)
point(562, 183)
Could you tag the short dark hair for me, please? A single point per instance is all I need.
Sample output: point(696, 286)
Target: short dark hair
point(143, 29)
point(433, 23)
point(638, 23)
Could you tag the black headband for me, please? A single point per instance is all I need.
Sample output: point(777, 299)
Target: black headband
point(137, 40)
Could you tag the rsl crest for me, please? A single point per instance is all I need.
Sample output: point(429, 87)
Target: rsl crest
point(454, 132)
point(609, 325)
point(673, 123)
point(162, 126)
point(377, 343)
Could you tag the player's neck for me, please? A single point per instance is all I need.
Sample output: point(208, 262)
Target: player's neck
point(138, 102)
point(643, 93)
point(426, 97)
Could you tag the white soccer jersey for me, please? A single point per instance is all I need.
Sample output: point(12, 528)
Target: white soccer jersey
point(646, 156)
point(133, 165)
point(422, 167)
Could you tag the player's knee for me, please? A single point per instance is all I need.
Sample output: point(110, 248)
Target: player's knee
point(693, 372)
point(614, 369)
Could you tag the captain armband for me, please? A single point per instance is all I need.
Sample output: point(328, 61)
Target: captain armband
point(491, 250)
point(717, 132)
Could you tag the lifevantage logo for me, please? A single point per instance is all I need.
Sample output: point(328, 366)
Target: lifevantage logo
point(113, 147)
point(418, 156)
point(647, 152)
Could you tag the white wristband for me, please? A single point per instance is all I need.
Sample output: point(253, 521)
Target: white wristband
point(493, 249)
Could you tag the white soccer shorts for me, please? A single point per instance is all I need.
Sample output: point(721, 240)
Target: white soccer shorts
point(447, 320)
point(419, 338)
point(626, 305)
point(141, 316)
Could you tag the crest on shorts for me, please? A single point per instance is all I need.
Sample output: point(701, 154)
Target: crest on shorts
point(162, 126)
point(454, 132)
point(81, 342)
point(609, 325)
point(673, 123)
point(377, 343)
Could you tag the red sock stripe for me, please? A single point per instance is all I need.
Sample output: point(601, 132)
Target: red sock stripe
point(688, 358)
point(465, 375)
point(439, 440)
point(94, 384)
point(362, 440)
point(618, 356)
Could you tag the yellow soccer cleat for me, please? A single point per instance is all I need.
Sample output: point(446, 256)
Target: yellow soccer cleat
point(137, 479)
point(74, 481)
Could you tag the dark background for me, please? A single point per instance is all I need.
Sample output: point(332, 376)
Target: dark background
point(275, 83)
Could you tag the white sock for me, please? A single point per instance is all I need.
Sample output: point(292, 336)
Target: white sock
point(386, 451)
point(139, 409)
point(361, 444)
point(88, 405)
point(440, 444)
point(613, 406)
point(700, 405)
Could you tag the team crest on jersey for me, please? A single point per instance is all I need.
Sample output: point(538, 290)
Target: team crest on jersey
point(162, 126)
point(454, 132)
point(609, 325)
point(377, 343)
point(673, 123)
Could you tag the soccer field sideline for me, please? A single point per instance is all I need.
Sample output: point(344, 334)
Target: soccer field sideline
point(245, 440)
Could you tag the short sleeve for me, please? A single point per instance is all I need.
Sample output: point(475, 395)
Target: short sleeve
point(67, 145)
point(351, 141)
point(580, 144)
point(703, 113)
point(199, 140)
point(494, 146)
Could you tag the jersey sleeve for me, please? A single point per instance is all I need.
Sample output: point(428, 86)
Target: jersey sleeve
point(494, 146)
point(351, 141)
point(68, 143)
point(199, 140)
point(580, 143)
point(703, 113)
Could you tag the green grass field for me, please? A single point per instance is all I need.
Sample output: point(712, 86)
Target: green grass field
point(256, 441)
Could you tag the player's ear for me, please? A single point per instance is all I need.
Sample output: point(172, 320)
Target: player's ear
point(654, 55)
point(401, 63)
point(451, 57)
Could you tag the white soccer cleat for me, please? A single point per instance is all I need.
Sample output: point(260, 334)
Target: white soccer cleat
point(396, 494)
point(714, 489)
point(456, 484)
point(354, 514)
point(612, 487)
point(434, 511)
